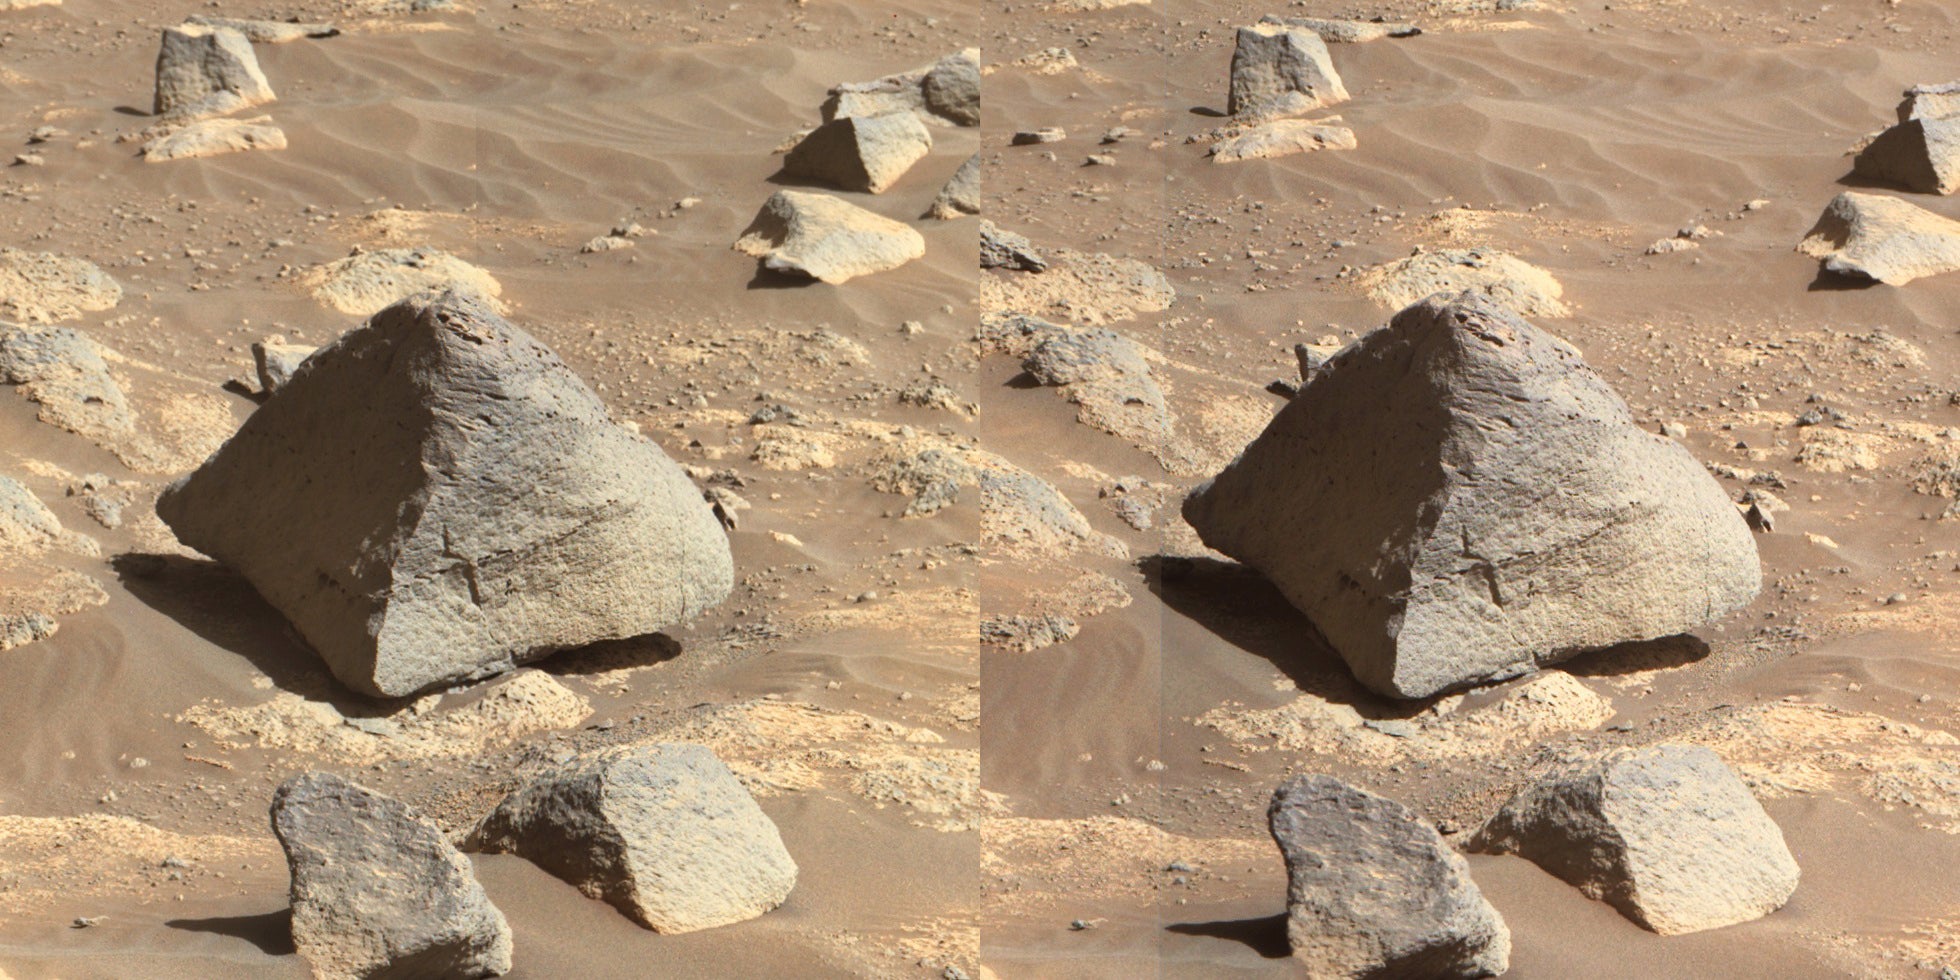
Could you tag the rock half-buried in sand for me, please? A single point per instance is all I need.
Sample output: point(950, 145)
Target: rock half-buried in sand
point(214, 137)
point(860, 153)
point(1457, 498)
point(365, 283)
point(1505, 279)
point(1373, 891)
point(945, 92)
point(961, 195)
point(1920, 155)
point(1884, 239)
point(665, 833)
point(1667, 834)
point(378, 891)
point(436, 497)
point(1930, 102)
point(826, 238)
point(1279, 70)
point(207, 71)
point(1345, 31)
point(1282, 137)
point(265, 31)
point(41, 287)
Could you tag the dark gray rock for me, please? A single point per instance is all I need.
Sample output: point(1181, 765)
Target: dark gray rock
point(1921, 155)
point(860, 153)
point(1003, 249)
point(207, 71)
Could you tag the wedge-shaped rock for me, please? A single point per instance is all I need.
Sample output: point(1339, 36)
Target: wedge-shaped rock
point(1282, 137)
point(961, 195)
point(1504, 279)
point(1884, 239)
point(1930, 102)
point(665, 833)
point(1003, 249)
point(1372, 891)
point(945, 92)
point(207, 71)
point(1280, 70)
point(1667, 834)
point(215, 137)
point(378, 891)
point(265, 31)
point(435, 497)
point(826, 238)
point(861, 153)
point(1920, 155)
point(1457, 499)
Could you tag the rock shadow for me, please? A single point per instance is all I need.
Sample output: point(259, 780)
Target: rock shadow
point(767, 278)
point(1266, 935)
point(1838, 282)
point(221, 607)
point(271, 932)
point(1631, 658)
point(609, 655)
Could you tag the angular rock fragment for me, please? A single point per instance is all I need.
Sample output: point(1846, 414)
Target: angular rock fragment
point(945, 92)
point(1884, 239)
point(1507, 280)
point(207, 71)
point(41, 287)
point(861, 153)
point(1921, 155)
point(214, 137)
point(826, 238)
point(365, 283)
point(1002, 249)
point(1667, 834)
point(665, 833)
point(275, 362)
point(1346, 31)
point(63, 372)
point(265, 31)
point(435, 497)
point(1035, 137)
point(1373, 890)
point(1930, 102)
point(1457, 499)
point(1282, 137)
point(1107, 377)
point(1279, 70)
point(378, 891)
point(961, 195)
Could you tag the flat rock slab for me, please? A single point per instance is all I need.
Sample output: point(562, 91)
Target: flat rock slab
point(1920, 155)
point(860, 153)
point(1346, 31)
point(1282, 137)
point(1667, 834)
point(1374, 892)
point(664, 833)
point(1457, 499)
point(435, 497)
point(1505, 279)
point(369, 282)
point(207, 71)
point(215, 137)
point(266, 31)
point(1930, 102)
point(42, 287)
point(827, 238)
point(1279, 70)
point(1882, 239)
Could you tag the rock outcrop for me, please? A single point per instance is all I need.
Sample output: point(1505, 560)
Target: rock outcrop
point(207, 71)
point(1003, 249)
point(826, 238)
point(961, 195)
point(946, 92)
point(1930, 102)
point(378, 891)
point(365, 283)
point(1279, 70)
point(435, 497)
point(1504, 279)
point(1667, 834)
point(1374, 892)
point(665, 833)
point(1458, 498)
point(1282, 137)
point(860, 153)
point(215, 137)
point(1346, 31)
point(42, 287)
point(1883, 239)
point(1921, 155)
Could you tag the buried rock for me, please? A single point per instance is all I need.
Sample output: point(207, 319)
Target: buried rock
point(826, 238)
point(215, 137)
point(435, 497)
point(1282, 137)
point(1345, 31)
point(207, 71)
point(1667, 834)
point(664, 833)
point(1372, 890)
point(266, 31)
point(1930, 102)
point(1279, 70)
point(42, 287)
point(1920, 155)
point(945, 92)
point(1003, 249)
point(1882, 239)
point(1458, 498)
point(378, 891)
point(367, 282)
point(1505, 279)
point(860, 153)
point(961, 195)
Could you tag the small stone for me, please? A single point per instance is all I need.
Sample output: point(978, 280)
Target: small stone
point(1032, 137)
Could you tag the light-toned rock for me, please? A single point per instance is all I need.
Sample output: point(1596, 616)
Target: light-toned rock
point(961, 195)
point(1279, 70)
point(826, 238)
point(265, 31)
point(1930, 102)
point(24, 4)
point(1346, 31)
point(1457, 499)
point(1504, 279)
point(1667, 834)
point(27, 526)
point(378, 891)
point(435, 497)
point(41, 287)
point(1282, 137)
point(1921, 155)
point(664, 833)
point(367, 282)
point(64, 373)
point(276, 361)
point(214, 137)
point(946, 92)
point(861, 153)
point(1374, 892)
point(207, 71)
point(1871, 236)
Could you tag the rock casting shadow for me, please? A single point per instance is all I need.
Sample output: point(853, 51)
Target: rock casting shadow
point(220, 606)
point(767, 278)
point(271, 932)
point(1266, 936)
point(1627, 658)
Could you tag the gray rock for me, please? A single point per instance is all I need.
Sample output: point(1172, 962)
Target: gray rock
point(961, 195)
point(435, 497)
point(64, 373)
point(1280, 70)
point(1002, 249)
point(1457, 499)
point(1883, 239)
point(207, 71)
point(1374, 892)
point(826, 238)
point(665, 833)
point(276, 362)
point(946, 92)
point(266, 31)
point(1106, 375)
point(1346, 31)
point(1035, 137)
point(378, 892)
point(1667, 834)
point(1921, 155)
point(952, 88)
point(860, 153)
point(1930, 102)
point(215, 137)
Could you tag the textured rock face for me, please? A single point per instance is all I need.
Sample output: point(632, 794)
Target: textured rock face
point(1346, 31)
point(827, 239)
point(861, 153)
point(952, 88)
point(1003, 249)
point(1930, 102)
point(1457, 498)
point(1920, 155)
point(41, 287)
point(1373, 891)
point(63, 372)
point(1280, 70)
point(1501, 278)
point(215, 137)
point(276, 362)
point(365, 284)
point(265, 31)
point(1667, 834)
point(1282, 137)
point(378, 891)
point(1884, 239)
point(665, 833)
point(436, 497)
point(961, 195)
point(946, 92)
point(207, 71)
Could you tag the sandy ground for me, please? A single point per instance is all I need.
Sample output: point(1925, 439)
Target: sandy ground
point(953, 803)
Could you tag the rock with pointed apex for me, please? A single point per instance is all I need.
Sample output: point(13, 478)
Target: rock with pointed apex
point(827, 238)
point(1921, 155)
point(1667, 834)
point(1883, 239)
point(1457, 499)
point(276, 361)
point(207, 71)
point(1373, 891)
point(1003, 249)
point(961, 195)
point(435, 497)
point(860, 153)
point(1280, 70)
point(665, 833)
point(378, 891)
